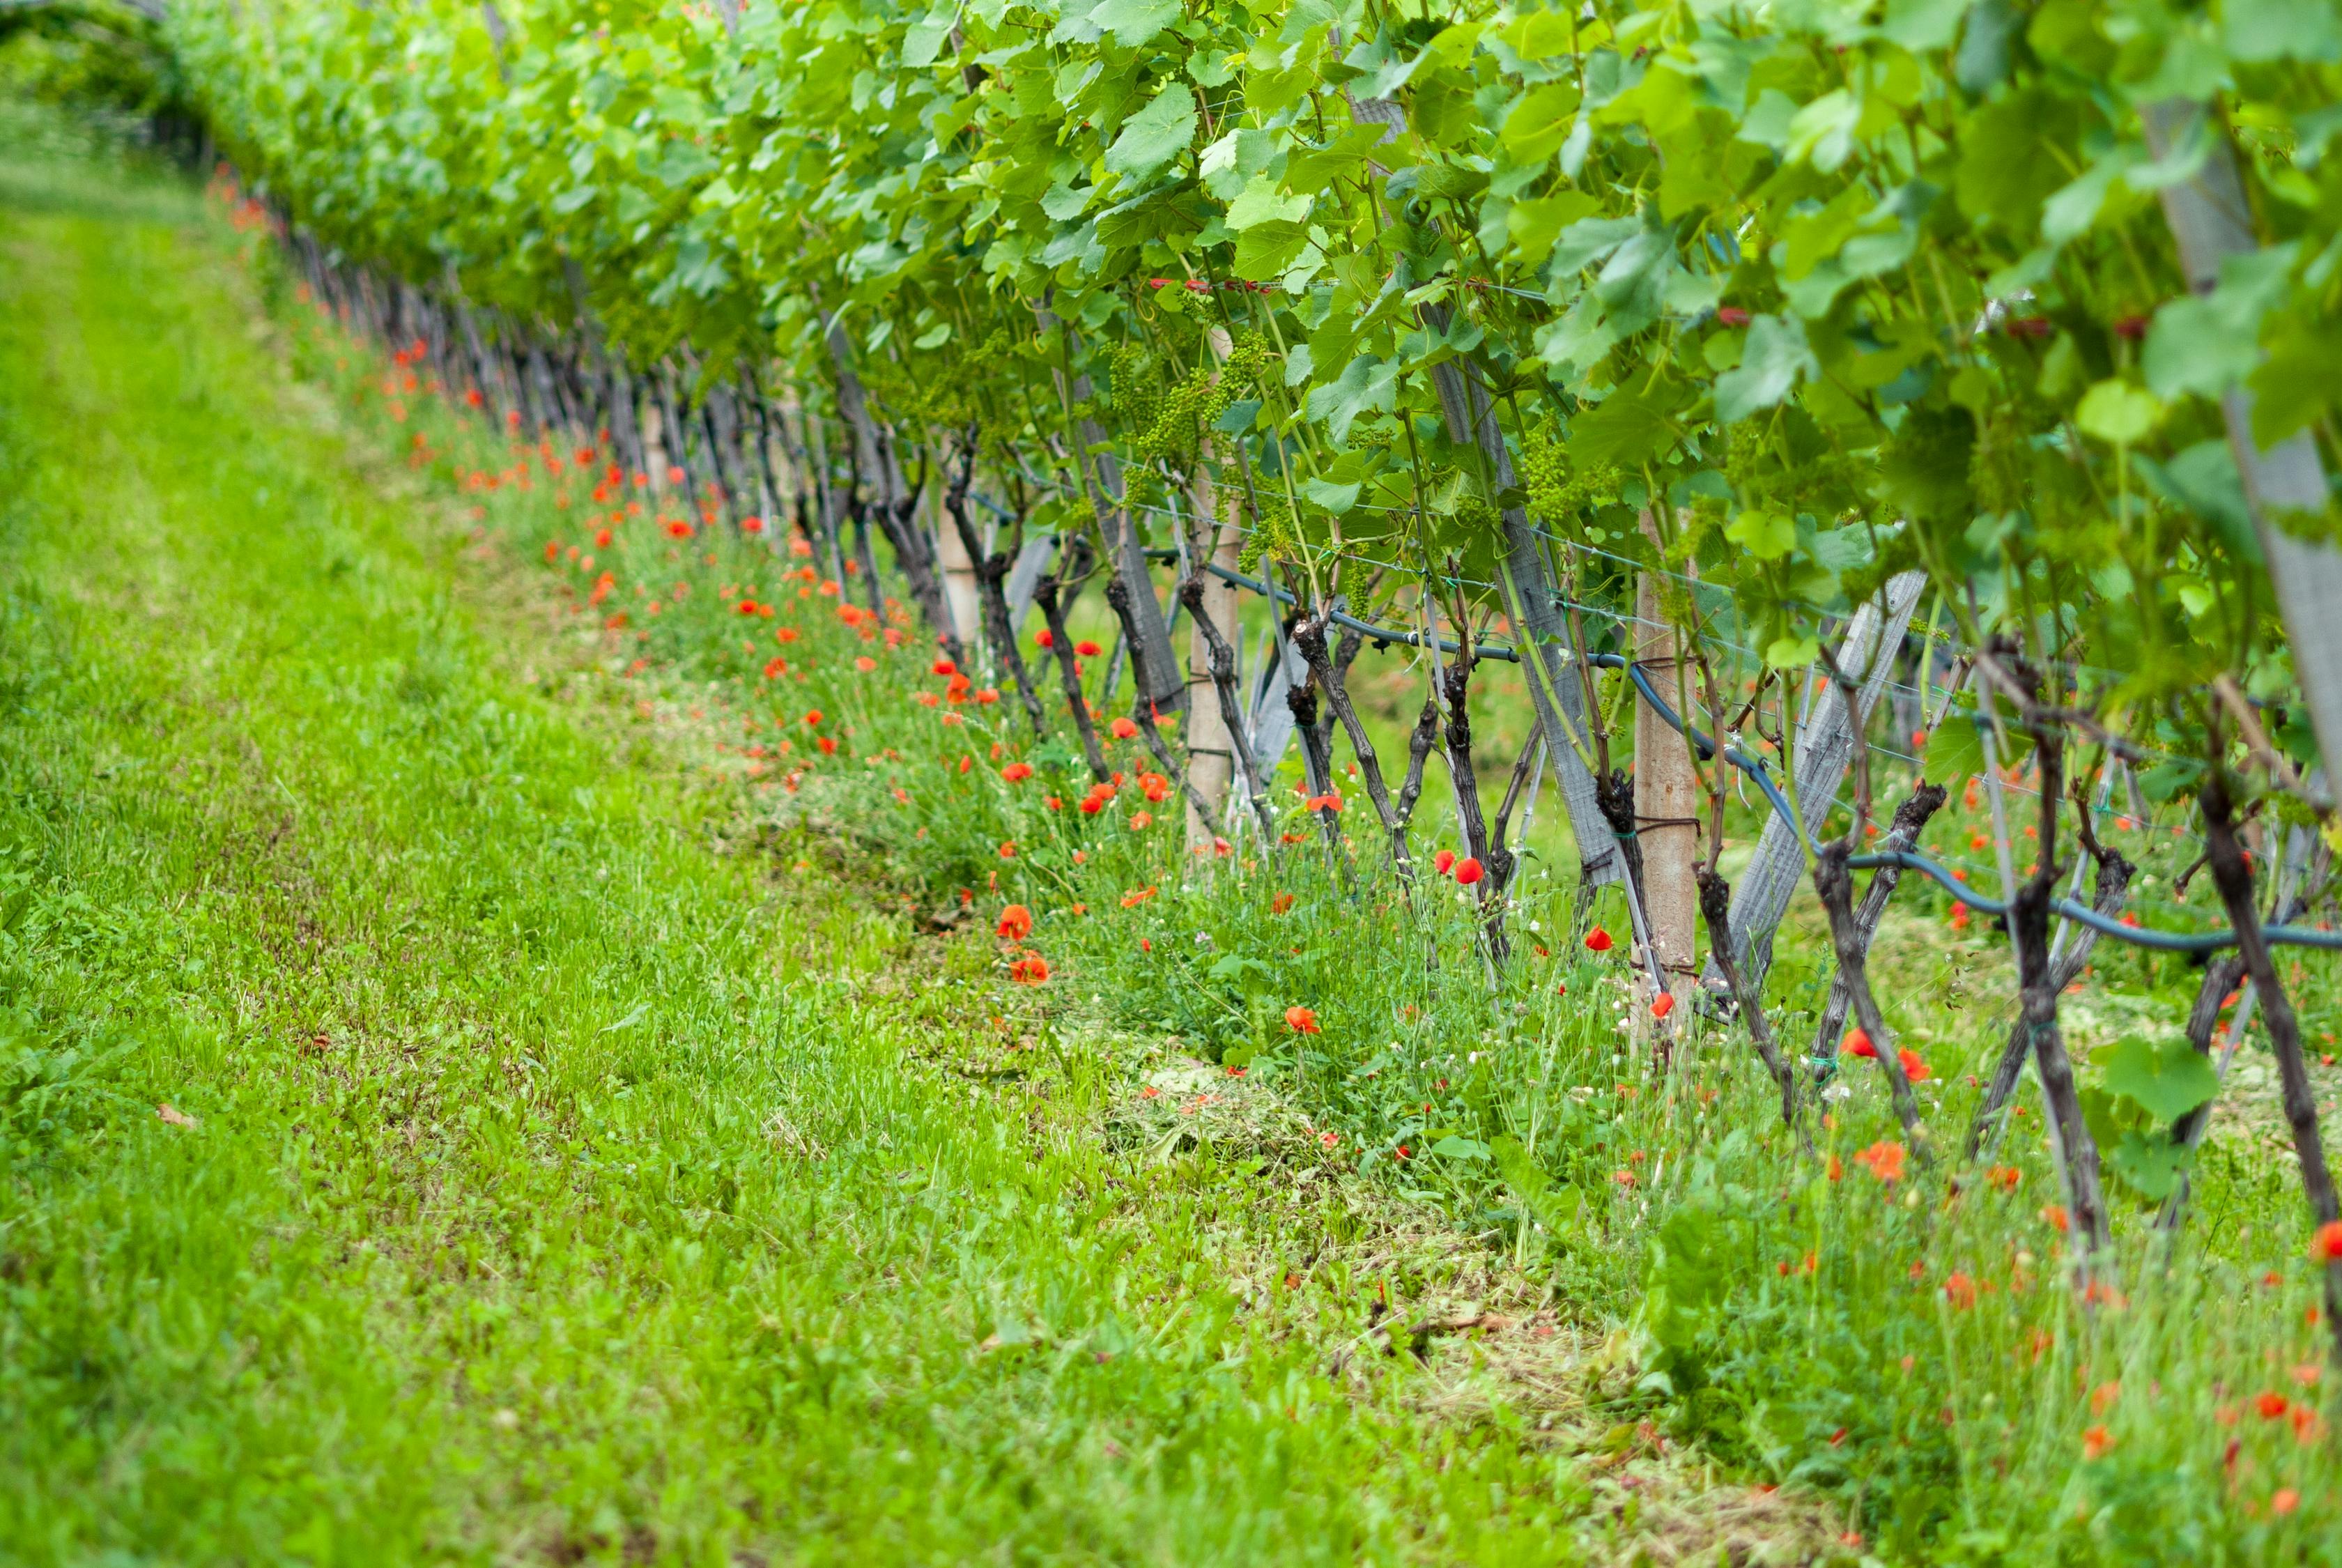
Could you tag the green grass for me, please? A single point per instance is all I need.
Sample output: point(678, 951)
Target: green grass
point(593, 1159)
point(561, 1186)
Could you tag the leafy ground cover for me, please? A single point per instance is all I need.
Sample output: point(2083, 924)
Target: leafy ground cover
point(429, 1128)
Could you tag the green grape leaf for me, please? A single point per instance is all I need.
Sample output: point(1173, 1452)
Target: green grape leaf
point(1773, 359)
point(1265, 250)
point(2006, 170)
point(1625, 430)
point(2203, 479)
point(1155, 135)
point(2167, 1081)
point(925, 40)
point(1540, 122)
point(1535, 222)
point(1793, 650)
point(1954, 752)
point(2118, 413)
point(1336, 498)
point(1134, 22)
point(2148, 1163)
point(1766, 535)
point(1366, 384)
point(1261, 202)
point(2204, 344)
point(2281, 30)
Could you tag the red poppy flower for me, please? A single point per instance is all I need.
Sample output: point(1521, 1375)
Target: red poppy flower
point(1044, 638)
point(1088, 649)
point(1883, 1160)
point(1469, 870)
point(1959, 1291)
point(1598, 941)
point(2097, 1443)
point(1663, 1004)
point(1301, 1020)
point(2272, 1405)
point(1914, 1067)
point(1017, 772)
point(1858, 1043)
point(1008, 850)
point(945, 667)
point(1441, 861)
point(1124, 729)
point(1279, 904)
point(2326, 1247)
point(813, 716)
point(1028, 969)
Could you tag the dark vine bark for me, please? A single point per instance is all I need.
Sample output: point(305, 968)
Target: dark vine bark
point(1614, 792)
point(1716, 909)
point(2234, 879)
point(1317, 760)
point(1833, 881)
point(1072, 565)
point(2037, 992)
point(1456, 734)
point(1911, 816)
point(991, 574)
point(2112, 887)
point(1223, 666)
point(1420, 744)
point(1309, 637)
point(1117, 599)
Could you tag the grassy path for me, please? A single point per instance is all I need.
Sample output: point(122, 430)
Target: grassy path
point(538, 1185)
